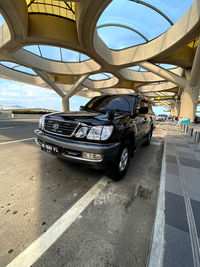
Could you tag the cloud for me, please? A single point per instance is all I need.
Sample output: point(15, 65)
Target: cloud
point(8, 94)
point(74, 101)
point(29, 96)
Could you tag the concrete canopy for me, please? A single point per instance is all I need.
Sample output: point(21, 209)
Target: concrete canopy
point(70, 27)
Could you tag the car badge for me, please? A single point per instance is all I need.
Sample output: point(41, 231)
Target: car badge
point(55, 126)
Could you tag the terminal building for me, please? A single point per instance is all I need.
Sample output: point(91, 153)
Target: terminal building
point(91, 48)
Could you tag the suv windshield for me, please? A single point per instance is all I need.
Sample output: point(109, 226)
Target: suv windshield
point(116, 103)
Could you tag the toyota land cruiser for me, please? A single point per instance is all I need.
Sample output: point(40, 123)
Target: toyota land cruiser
point(104, 134)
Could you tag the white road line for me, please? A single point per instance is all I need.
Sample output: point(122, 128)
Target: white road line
point(16, 141)
point(156, 143)
point(159, 125)
point(40, 245)
point(5, 128)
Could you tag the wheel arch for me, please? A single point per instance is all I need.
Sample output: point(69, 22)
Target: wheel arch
point(130, 136)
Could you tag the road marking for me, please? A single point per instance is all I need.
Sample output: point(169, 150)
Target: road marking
point(5, 128)
point(40, 245)
point(159, 125)
point(16, 141)
point(156, 143)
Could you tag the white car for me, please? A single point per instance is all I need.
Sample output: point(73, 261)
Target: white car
point(161, 117)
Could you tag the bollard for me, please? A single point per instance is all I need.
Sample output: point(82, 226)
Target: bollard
point(197, 136)
point(194, 136)
point(186, 128)
point(190, 131)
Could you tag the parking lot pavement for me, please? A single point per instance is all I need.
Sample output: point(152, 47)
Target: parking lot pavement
point(37, 189)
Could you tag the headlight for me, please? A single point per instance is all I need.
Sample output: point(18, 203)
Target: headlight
point(100, 132)
point(41, 122)
point(95, 133)
point(82, 132)
point(106, 133)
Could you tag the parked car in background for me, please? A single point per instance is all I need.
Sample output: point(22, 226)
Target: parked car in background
point(161, 117)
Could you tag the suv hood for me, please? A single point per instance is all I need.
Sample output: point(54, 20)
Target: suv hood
point(89, 118)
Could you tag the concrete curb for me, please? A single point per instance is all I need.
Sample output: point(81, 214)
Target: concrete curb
point(157, 242)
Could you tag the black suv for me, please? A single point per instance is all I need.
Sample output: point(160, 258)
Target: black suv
point(103, 134)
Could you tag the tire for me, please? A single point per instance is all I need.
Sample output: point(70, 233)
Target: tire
point(148, 141)
point(120, 166)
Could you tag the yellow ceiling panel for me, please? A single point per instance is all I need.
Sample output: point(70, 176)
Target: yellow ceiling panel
point(48, 2)
point(62, 12)
point(194, 43)
point(56, 11)
point(62, 4)
point(49, 9)
point(43, 9)
point(63, 9)
point(35, 8)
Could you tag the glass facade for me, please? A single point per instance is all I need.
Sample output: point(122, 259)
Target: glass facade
point(17, 67)
point(100, 76)
point(56, 53)
point(150, 17)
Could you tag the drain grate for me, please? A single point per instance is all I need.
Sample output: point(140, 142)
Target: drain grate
point(143, 192)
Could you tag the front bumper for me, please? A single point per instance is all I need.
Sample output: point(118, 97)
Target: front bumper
point(108, 152)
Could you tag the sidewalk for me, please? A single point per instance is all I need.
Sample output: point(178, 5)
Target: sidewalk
point(182, 199)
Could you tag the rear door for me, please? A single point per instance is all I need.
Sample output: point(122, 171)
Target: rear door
point(145, 120)
point(140, 121)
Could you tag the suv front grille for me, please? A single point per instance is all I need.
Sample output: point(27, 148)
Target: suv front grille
point(60, 127)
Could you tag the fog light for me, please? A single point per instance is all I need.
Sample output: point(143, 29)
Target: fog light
point(92, 156)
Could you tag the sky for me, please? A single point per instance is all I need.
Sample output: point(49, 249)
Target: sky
point(119, 11)
point(28, 96)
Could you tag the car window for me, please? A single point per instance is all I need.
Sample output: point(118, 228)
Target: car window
point(118, 103)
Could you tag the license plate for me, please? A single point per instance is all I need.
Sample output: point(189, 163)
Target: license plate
point(51, 149)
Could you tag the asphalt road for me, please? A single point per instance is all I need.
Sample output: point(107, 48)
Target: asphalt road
point(36, 189)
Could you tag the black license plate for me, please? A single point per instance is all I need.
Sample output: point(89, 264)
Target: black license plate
point(51, 149)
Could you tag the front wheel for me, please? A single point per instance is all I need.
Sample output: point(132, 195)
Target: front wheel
point(120, 166)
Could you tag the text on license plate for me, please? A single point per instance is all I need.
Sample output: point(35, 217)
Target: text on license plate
point(49, 148)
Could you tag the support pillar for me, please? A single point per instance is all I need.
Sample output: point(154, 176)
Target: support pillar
point(173, 112)
point(74, 90)
point(191, 92)
point(177, 109)
point(65, 97)
point(189, 100)
point(189, 103)
point(65, 104)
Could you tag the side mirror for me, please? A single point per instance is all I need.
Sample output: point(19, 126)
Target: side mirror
point(111, 115)
point(143, 110)
point(82, 108)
